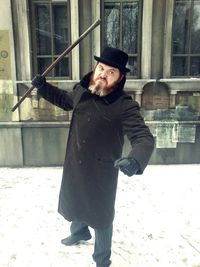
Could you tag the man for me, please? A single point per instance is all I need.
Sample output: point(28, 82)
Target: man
point(102, 114)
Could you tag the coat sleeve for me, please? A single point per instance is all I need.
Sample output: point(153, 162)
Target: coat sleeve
point(138, 133)
point(56, 96)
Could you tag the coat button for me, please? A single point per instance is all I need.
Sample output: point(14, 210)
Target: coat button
point(80, 161)
point(88, 119)
point(84, 141)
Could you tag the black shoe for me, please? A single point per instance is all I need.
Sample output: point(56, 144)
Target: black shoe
point(75, 239)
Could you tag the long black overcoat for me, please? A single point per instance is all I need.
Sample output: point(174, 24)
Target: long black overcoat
point(95, 141)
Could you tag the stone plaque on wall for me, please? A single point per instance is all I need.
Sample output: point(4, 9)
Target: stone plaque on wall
point(155, 96)
point(164, 136)
point(184, 133)
point(5, 65)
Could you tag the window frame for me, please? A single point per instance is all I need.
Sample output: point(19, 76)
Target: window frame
point(137, 55)
point(187, 56)
point(53, 56)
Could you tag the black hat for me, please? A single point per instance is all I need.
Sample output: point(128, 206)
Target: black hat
point(114, 57)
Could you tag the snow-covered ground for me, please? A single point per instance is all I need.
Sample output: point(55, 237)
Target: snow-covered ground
point(157, 220)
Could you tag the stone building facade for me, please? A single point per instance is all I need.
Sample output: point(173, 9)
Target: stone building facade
point(162, 39)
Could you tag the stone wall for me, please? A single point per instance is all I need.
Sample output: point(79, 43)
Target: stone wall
point(32, 144)
point(44, 144)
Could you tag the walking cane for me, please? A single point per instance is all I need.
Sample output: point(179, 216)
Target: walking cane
point(50, 67)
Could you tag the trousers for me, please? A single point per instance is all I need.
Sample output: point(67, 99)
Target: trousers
point(103, 242)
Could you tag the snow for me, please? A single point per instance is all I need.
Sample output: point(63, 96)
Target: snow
point(157, 221)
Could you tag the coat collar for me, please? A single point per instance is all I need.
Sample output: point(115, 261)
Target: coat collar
point(110, 98)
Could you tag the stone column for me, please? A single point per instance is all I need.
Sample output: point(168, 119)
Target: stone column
point(138, 96)
point(172, 99)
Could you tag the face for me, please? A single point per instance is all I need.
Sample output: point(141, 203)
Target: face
point(105, 79)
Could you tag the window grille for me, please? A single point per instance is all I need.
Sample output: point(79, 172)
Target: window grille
point(121, 29)
point(186, 39)
point(50, 28)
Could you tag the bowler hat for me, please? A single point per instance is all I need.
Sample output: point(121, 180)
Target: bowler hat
point(114, 57)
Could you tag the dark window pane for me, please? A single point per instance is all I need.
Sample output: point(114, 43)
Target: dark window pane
point(60, 29)
point(195, 66)
point(43, 63)
point(179, 66)
point(121, 28)
point(51, 31)
point(62, 69)
point(132, 65)
point(112, 25)
point(180, 28)
point(43, 32)
point(195, 34)
point(130, 27)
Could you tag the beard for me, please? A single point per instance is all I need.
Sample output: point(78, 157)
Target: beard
point(100, 87)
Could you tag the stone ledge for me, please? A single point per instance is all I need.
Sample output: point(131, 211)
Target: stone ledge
point(33, 124)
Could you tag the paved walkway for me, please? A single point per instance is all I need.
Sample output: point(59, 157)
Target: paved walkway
point(157, 220)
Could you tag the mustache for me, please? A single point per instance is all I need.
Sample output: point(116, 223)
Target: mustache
point(101, 79)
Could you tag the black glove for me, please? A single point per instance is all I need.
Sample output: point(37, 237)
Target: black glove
point(38, 81)
point(128, 166)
